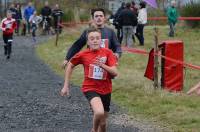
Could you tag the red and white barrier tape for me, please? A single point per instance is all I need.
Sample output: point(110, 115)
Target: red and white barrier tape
point(144, 52)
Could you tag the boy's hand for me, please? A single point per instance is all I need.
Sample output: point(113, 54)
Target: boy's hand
point(64, 91)
point(64, 64)
point(98, 62)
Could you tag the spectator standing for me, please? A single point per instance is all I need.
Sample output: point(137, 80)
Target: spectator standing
point(13, 10)
point(116, 22)
point(46, 13)
point(135, 10)
point(18, 18)
point(57, 14)
point(29, 10)
point(128, 20)
point(142, 21)
point(172, 15)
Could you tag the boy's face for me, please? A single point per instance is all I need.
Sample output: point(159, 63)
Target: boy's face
point(94, 40)
point(99, 18)
point(9, 15)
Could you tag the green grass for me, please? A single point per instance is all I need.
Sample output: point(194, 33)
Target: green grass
point(135, 93)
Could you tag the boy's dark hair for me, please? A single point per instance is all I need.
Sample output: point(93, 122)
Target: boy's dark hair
point(128, 5)
point(133, 3)
point(143, 4)
point(97, 9)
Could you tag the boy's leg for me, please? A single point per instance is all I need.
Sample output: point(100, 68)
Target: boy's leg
point(9, 48)
point(34, 28)
point(5, 49)
point(98, 110)
point(106, 104)
point(5, 39)
point(102, 126)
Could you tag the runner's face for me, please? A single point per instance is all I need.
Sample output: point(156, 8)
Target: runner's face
point(94, 40)
point(99, 18)
point(9, 15)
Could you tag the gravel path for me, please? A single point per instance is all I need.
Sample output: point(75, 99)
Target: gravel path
point(29, 100)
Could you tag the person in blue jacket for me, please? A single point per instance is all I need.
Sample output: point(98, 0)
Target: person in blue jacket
point(29, 10)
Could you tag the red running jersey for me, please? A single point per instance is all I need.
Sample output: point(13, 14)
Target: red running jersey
point(95, 78)
point(8, 26)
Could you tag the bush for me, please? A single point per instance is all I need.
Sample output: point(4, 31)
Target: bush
point(191, 10)
point(68, 15)
point(84, 17)
point(156, 13)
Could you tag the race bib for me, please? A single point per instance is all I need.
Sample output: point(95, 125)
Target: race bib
point(96, 72)
point(104, 43)
point(8, 26)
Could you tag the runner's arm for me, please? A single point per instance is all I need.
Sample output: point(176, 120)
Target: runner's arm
point(68, 73)
point(112, 70)
point(77, 46)
point(116, 47)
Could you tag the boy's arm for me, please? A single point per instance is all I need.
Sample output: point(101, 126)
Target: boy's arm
point(2, 26)
point(116, 45)
point(112, 70)
point(68, 73)
point(75, 48)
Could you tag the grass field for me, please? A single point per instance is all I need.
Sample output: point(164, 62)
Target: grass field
point(135, 93)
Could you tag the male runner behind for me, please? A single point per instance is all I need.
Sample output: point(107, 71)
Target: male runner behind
point(109, 39)
point(8, 26)
point(99, 67)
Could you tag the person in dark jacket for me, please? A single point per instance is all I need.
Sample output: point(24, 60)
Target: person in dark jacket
point(18, 17)
point(57, 14)
point(128, 20)
point(13, 10)
point(46, 13)
point(109, 39)
point(116, 23)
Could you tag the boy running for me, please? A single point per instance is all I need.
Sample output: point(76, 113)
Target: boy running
point(99, 67)
point(34, 21)
point(8, 26)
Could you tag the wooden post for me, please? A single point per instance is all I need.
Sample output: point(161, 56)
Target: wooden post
point(156, 58)
point(57, 31)
point(57, 36)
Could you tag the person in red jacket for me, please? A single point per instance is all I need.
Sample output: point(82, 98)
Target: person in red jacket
point(99, 67)
point(8, 26)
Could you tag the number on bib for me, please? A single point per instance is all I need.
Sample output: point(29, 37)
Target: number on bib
point(104, 43)
point(97, 72)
